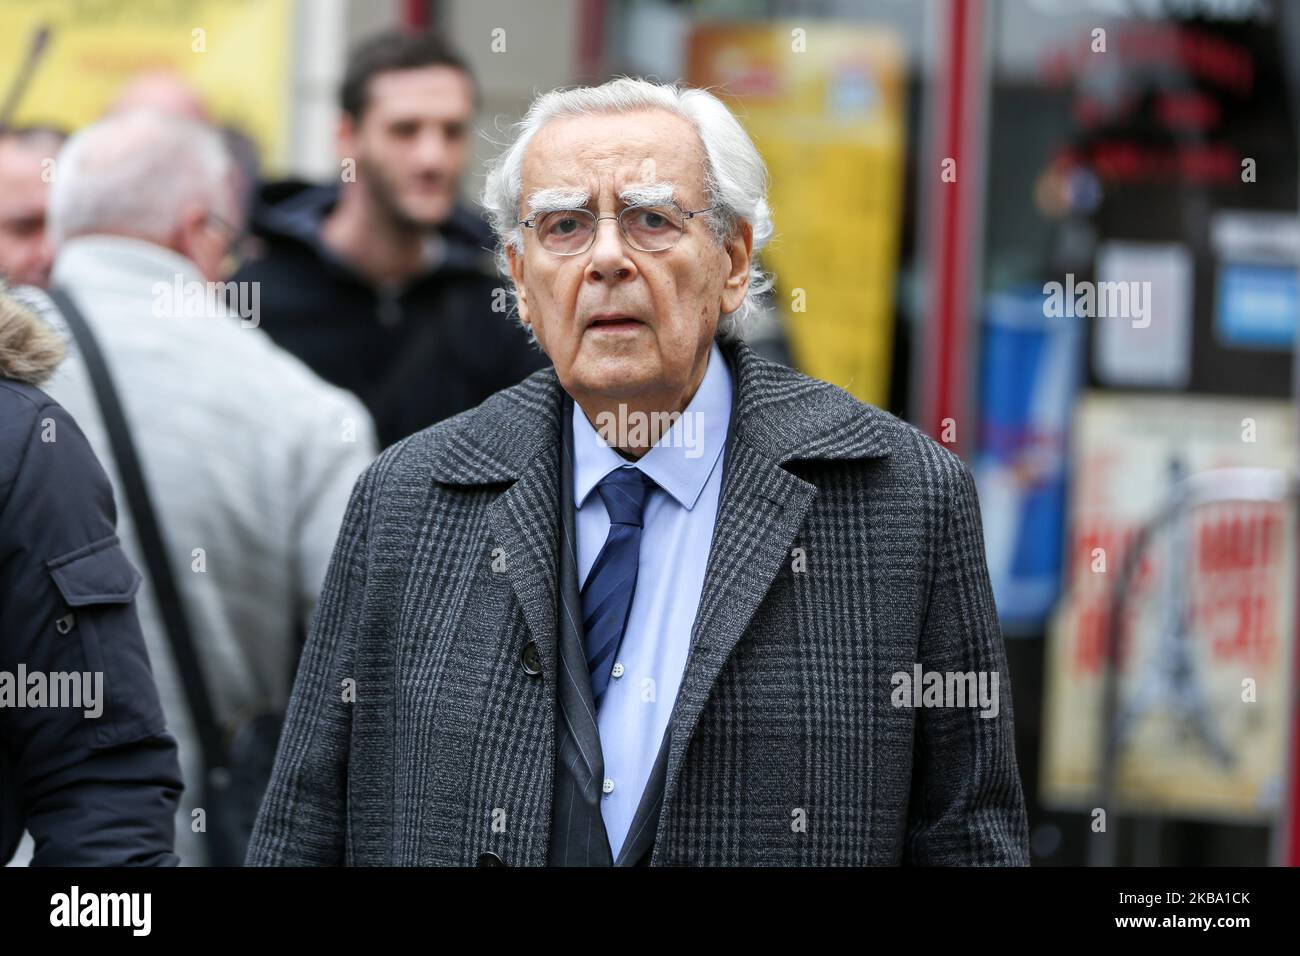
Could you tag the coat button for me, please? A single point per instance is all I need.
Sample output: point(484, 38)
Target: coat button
point(490, 859)
point(531, 658)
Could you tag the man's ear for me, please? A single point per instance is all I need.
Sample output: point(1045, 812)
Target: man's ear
point(188, 232)
point(740, 249)
point(345, 137)
point(516, 260)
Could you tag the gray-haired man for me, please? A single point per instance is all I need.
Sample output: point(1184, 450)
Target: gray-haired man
point(248, 456)
point(650, 605)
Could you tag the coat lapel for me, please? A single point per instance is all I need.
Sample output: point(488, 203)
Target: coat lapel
point(513, 438)
point(778, 416)
point(760, 512)
point(580, 744)
point(526, 528)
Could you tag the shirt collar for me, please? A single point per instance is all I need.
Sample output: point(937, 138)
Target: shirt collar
point(682, 460)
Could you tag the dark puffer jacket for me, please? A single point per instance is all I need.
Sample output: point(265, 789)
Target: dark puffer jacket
point(93, 776)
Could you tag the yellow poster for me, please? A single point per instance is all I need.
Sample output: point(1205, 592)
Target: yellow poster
point(824, 103)
point(235, 52)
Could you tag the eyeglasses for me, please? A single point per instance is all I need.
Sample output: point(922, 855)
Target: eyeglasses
point(647, 228)
point(234, 243)
point(222, 224)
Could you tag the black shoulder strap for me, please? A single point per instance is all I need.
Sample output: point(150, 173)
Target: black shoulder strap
point(151, 539)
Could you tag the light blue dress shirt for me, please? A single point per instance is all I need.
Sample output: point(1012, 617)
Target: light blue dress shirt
point(686, 465)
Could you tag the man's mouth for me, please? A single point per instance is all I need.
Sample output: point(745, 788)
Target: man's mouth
point(613, 322)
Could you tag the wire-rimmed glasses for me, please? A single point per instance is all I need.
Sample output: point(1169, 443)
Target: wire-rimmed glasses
point(648, 227)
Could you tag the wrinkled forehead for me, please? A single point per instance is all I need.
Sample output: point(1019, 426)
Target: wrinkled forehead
point(650, 155)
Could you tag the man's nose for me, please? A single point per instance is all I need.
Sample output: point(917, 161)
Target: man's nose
point(431, 149)
point(609, 258)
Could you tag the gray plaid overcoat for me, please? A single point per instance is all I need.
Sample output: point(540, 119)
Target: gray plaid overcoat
point(415, 736)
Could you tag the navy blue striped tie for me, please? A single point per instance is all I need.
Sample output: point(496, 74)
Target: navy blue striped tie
point(607, 593)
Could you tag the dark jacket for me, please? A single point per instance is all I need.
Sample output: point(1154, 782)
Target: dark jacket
point(786, 746)
point(415, 354)
point(92, 790)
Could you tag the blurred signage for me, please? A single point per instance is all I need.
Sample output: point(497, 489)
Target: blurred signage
point(824, 102)
point(1257, 295)
point(1205, 660)
point(1183, 126)
point(1219, 10)
point(1257, 306)
point(1031, 367)
point(235, 52)
point(1149, 343)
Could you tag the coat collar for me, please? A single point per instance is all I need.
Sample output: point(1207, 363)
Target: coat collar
point(782, 414)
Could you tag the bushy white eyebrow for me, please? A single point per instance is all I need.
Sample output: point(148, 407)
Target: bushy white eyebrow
point(563, 197)
point(557, 197)
point(650, 193)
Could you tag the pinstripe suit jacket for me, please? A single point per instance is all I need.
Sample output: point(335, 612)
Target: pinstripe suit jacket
point(785, 747)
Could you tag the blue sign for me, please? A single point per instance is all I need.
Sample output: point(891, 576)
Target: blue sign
point(1256, 305)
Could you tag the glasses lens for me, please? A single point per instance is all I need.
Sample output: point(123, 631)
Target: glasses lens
point(566, 232)
point(652, 228)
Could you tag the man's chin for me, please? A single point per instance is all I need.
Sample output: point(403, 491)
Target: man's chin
point(614, 376)
point(426, 215)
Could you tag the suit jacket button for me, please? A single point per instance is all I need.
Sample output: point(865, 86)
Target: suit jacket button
point(490, 859)
point(531, 658)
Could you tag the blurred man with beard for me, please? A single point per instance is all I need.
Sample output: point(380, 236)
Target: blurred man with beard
point(384, 283)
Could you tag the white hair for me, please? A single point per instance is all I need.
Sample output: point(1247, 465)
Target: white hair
point(132, 173)
point(735, 178)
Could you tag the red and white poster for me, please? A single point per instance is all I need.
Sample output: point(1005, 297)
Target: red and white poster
point(1205, 657)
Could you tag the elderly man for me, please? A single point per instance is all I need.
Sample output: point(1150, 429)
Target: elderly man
point(663, 602)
